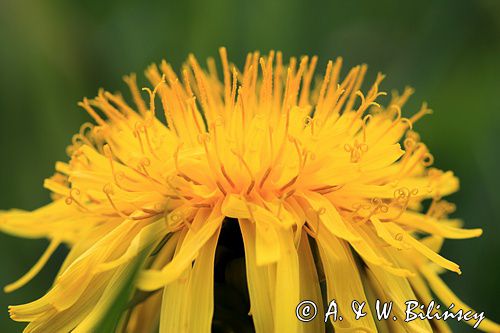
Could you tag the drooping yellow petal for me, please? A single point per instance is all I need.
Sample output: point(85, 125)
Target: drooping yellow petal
point(55, 220)
point(343, 282)
point(35, 269)
point(381, 157)
point(309, 284)
point(145, 317)
point(448, 297)
point(287, 290)
point(201, 288)
point(114, 286)
point(265, 223)
point(383, 233)
point(329, 216)
point(371, 251)
point(153, 279)
point(390, 288)
point(421, 248)
point(422, 291)
point(432, 225)
point(261, 295)
point(67, 292)
point(175, 316)
point(141, 241)
point(372, 296)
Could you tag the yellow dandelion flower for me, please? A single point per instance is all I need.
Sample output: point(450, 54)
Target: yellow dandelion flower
point(323, 182)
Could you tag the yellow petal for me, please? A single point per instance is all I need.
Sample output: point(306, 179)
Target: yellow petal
point(71, 285)
point(142, 240)
point(329, 216)
point(383, 233)
point(266, 239)
point(55, 220)
point(287, 290)
point(381, 156)
point(309, 284)
point(408, 239)
point(265, 221)
point(201, 288)
point(259, 288)
point(35, 269)
point(101, 307)
point(434, 226)
point(447, 297)
point(152, 279)
point(370, 250)
point(390, 288)
point(236, 207)
point(343, 282)
point(371, 296)
point(174, 316)
point(424, 296)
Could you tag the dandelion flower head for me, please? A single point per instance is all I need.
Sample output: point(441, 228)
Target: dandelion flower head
point(324, 183)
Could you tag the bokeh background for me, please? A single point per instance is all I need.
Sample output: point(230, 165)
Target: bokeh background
point(53, 53)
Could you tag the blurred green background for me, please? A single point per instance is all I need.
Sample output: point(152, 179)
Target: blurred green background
point(52, 53)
